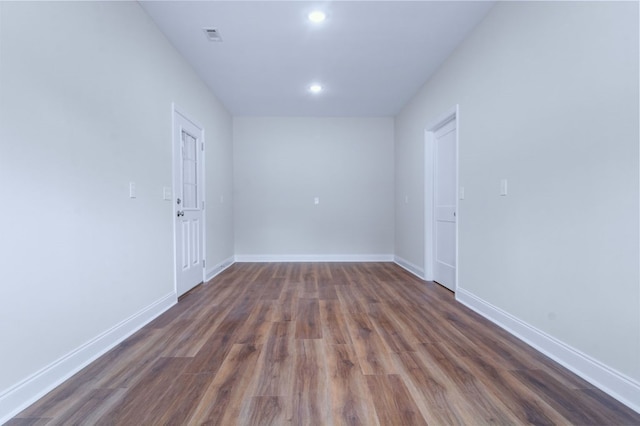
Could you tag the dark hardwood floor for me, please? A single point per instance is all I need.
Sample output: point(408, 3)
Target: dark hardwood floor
point(323, 344)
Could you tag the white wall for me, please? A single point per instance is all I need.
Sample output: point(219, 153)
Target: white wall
point(548, 95)
point(282, 164)
point(85, 107)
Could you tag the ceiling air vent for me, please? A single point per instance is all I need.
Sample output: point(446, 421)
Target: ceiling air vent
point(212, 34)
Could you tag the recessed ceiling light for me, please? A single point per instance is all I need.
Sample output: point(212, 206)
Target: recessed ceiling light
point(315, 88)
point(317, 16)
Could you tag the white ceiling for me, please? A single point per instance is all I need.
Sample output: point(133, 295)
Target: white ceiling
point(370, 56)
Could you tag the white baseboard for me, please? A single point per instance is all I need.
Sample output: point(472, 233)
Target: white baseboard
point(18, 397)
point(217, 269)
point(415, 270)
point(614, 383)
point(244, 258)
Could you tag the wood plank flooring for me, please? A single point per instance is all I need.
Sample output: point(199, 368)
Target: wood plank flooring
point(323, 344)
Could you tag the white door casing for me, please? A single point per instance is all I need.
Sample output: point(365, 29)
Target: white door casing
point(188, 212)
point(441, 205)
point(444, 211)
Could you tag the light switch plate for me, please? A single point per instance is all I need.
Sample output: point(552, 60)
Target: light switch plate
point(503, 187)
point(316, 200)
point(166, 193)
point(461, 193)
point(132, 190)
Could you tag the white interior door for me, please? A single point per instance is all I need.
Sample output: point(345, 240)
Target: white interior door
point(444, 212)
point(188, 150)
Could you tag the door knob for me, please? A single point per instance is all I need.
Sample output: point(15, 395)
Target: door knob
point(178, 201)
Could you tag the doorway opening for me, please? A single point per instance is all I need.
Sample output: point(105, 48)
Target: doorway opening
point(441, 200)
point(188, 202)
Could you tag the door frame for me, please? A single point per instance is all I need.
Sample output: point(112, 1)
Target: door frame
point(175, 169)
point(429, 189)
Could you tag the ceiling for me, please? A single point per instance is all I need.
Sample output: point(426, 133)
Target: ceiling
point(370, 56)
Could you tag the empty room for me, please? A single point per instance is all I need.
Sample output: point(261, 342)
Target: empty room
point(320, 213)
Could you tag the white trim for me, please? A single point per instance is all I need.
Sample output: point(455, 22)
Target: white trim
point(18, 397)
point(410, 267)
point(174, 172)
point(452, 115)
point(203, 198)
point(243, 258)
point(217, 269)
point(610, 381)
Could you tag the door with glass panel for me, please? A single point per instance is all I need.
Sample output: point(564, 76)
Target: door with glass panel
point(188, 154)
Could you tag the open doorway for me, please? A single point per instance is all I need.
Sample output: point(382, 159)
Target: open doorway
point(188, 212)
point(441, 200)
